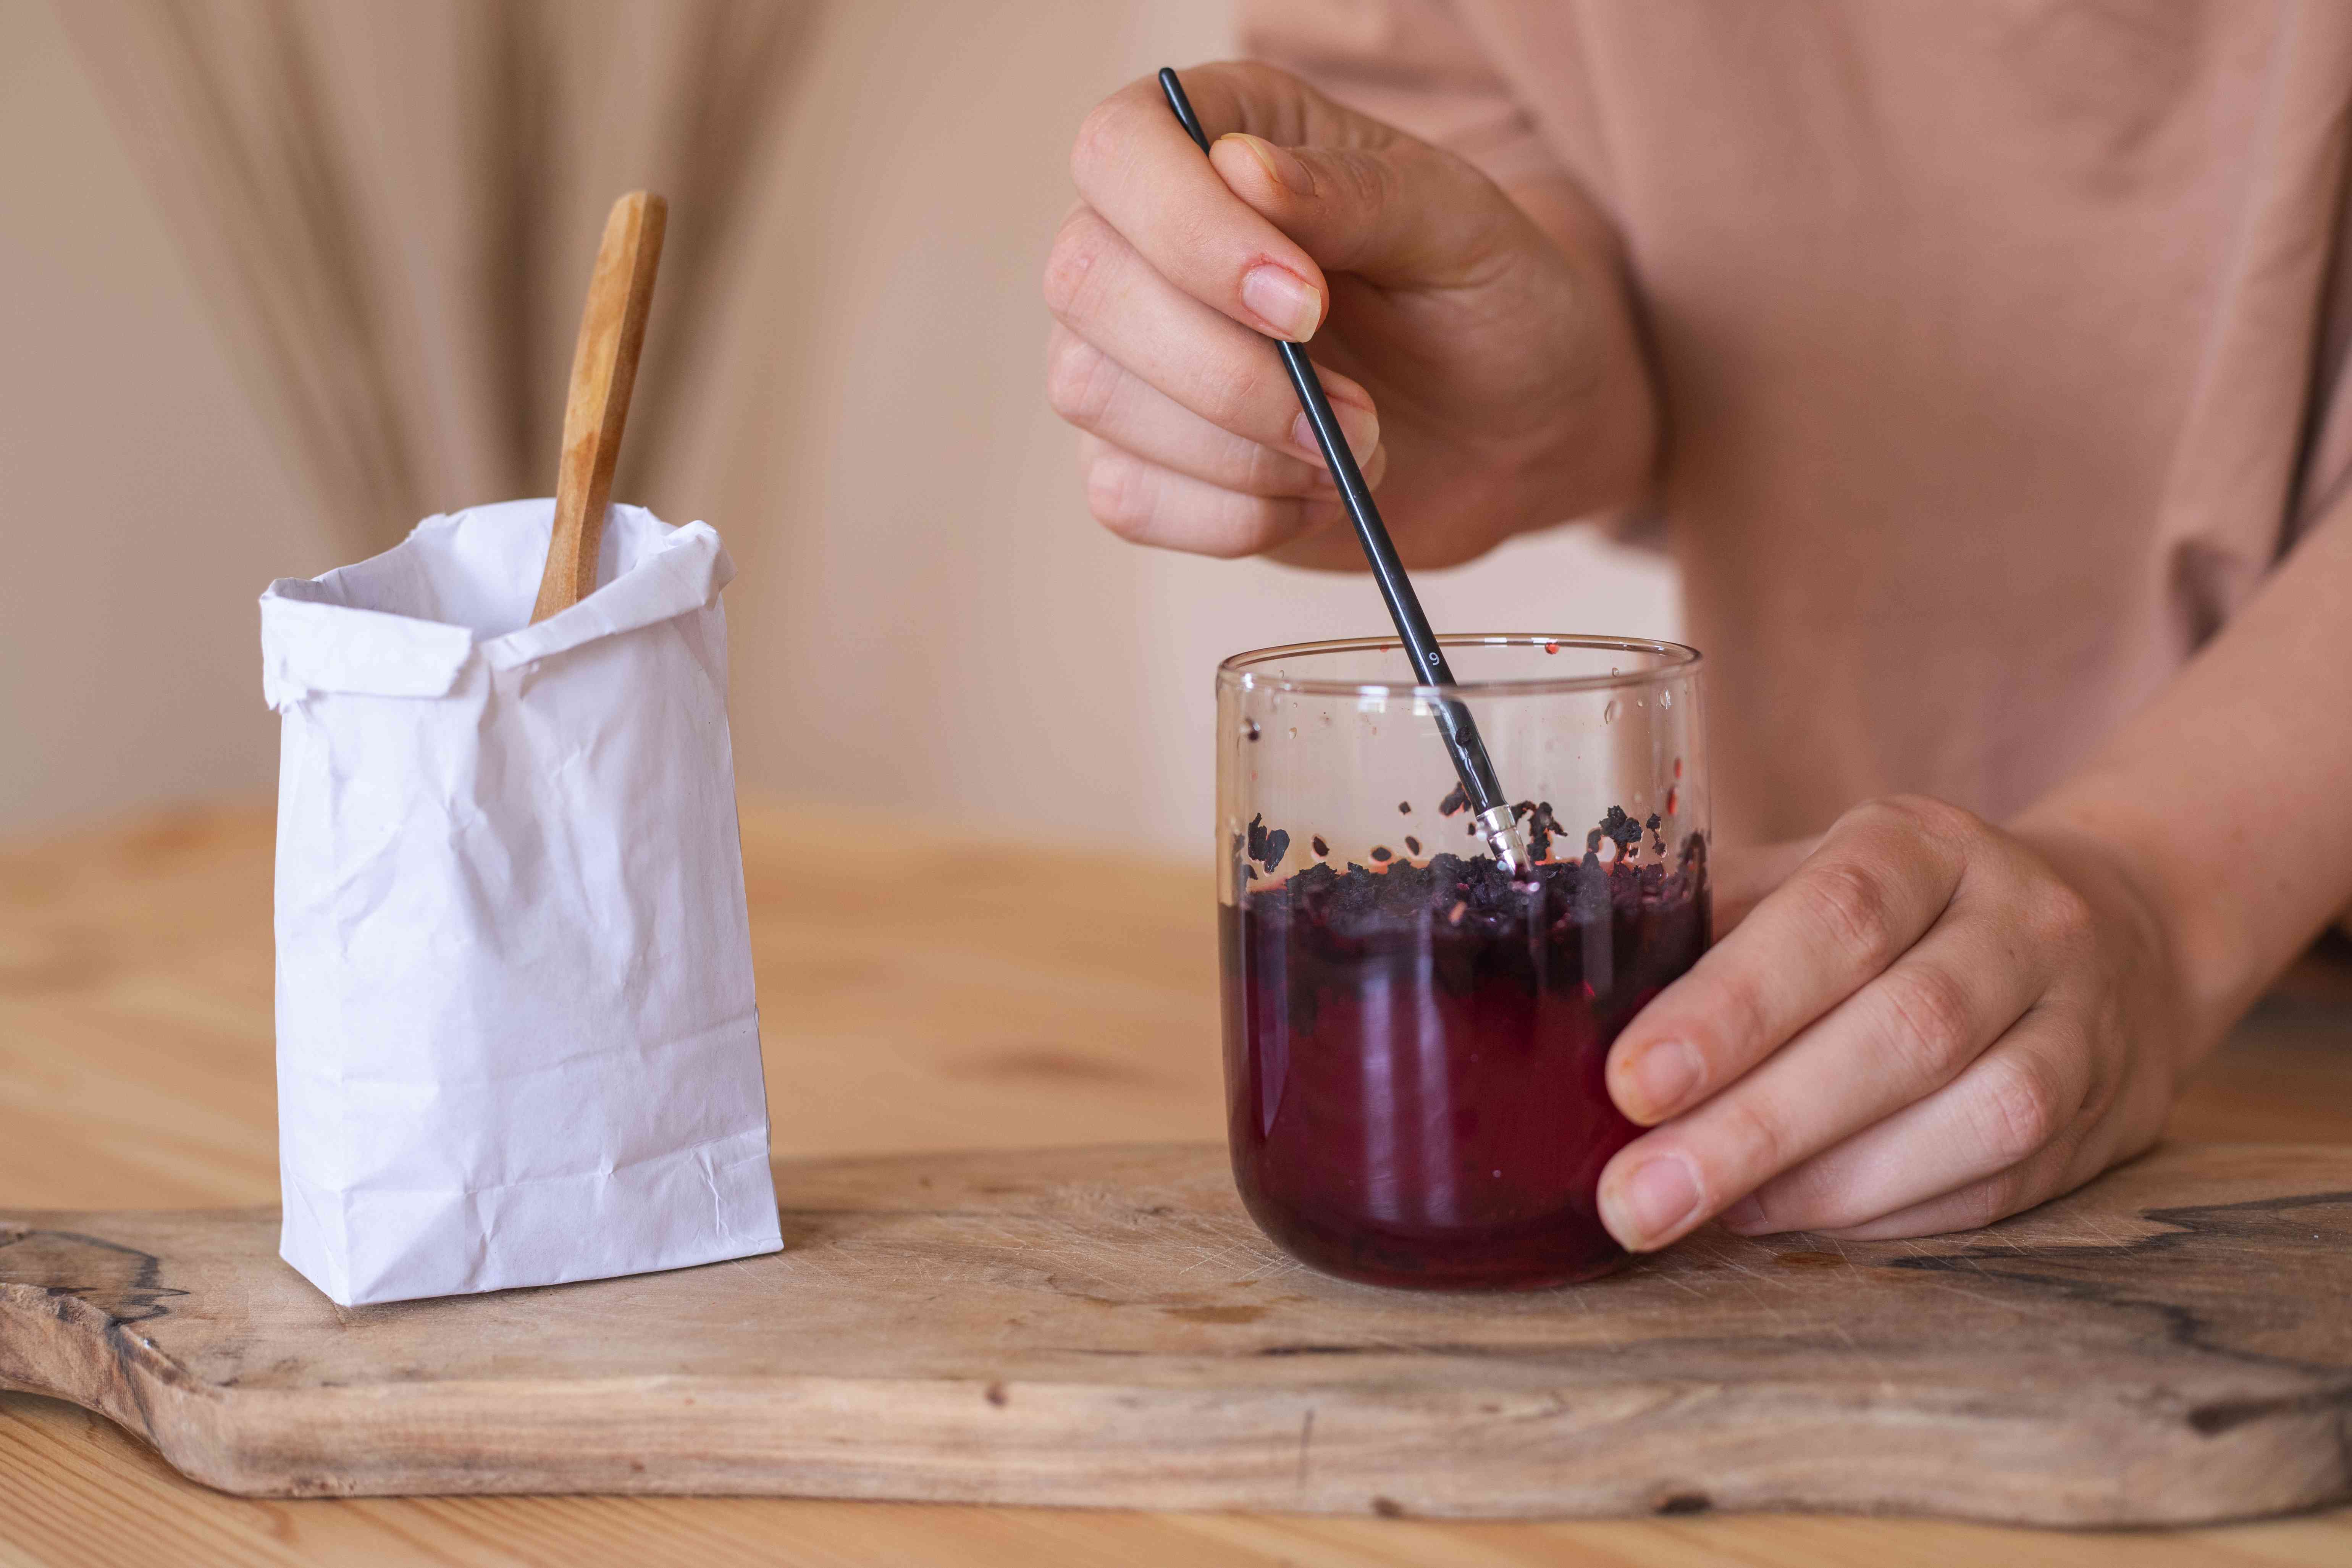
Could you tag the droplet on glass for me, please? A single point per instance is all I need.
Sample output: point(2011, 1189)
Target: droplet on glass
point(1665, 698)
point(1609, 714)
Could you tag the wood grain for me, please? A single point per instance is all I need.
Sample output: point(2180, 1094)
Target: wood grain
point(1105, 1327)
point(604, 373)
point(1039, 999)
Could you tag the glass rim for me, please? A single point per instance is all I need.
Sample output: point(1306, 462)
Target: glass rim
point(1680, 660)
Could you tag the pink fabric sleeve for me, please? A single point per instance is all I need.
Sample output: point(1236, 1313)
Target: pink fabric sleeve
point(1412, 63)
point(2325, 484)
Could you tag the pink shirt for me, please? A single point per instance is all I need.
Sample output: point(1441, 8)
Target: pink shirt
point(2001, 345)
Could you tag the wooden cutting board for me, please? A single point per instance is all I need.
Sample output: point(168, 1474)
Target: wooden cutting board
point(1104, 1326)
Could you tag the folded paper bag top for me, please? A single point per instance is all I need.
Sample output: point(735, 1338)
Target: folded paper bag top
point(517, 1038)
point(402, 624)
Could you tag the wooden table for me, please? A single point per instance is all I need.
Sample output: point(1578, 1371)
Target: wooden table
point(1024, 999)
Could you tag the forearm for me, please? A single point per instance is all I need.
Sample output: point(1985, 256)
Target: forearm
point(2227, 800)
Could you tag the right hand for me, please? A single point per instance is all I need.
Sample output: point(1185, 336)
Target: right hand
point(1486, 373)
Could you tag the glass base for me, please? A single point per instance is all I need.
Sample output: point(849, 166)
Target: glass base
point(1569, 1250)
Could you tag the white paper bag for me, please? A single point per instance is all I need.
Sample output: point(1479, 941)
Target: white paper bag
point(517, 1039)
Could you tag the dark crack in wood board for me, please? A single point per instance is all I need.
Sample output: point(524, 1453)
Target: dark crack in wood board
point(1104, 1326)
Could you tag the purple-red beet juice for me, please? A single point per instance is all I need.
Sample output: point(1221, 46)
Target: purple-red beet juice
point(1413, 1056)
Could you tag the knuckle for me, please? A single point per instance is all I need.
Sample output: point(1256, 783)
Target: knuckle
point(1079, 381)
point(2066, 918)
point(1070, 266)
point(1116, 495)
point(1880, 811)
point(1761, 1143)
point(2018, 1108)
point(1366, 182)
point(1934, 1021)
point(1932, 818)
point(1916, 828)
point(1852, 905)
point(1104, 137)
point(1737, 1019)
point(1234, 402)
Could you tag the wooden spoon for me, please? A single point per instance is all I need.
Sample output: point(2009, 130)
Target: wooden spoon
point(603, 372)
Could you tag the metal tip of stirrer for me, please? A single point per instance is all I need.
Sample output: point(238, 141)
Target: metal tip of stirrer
point(1502, 833)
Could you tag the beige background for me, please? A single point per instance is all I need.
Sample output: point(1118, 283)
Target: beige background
point(926, 616)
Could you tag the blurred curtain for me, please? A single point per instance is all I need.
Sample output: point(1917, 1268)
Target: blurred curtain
point(392, 208)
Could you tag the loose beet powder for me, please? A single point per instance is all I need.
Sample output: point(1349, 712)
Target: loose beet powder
point(1413, 1056)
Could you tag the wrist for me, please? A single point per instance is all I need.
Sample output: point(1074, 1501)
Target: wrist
point(2179, 967)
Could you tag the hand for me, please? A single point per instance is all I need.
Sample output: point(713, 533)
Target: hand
point(1486, 375)
point(1930, 1023)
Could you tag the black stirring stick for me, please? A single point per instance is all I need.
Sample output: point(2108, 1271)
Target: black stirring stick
point(1471, 763)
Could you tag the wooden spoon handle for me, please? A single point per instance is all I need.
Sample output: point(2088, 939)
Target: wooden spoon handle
point(603, 372)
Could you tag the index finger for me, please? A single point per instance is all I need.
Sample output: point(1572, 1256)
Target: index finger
point(1880, 879)
point(1137, 167)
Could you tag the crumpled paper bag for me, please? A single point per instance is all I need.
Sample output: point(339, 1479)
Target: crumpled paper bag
point(517, 1039)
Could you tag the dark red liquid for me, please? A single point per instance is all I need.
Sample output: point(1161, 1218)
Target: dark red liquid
point(1414, 1059)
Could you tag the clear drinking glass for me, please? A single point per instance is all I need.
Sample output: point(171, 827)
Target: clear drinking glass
point(1415, 1042)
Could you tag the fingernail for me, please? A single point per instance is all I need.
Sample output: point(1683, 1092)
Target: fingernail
point(1745, 1217)
point(1651, 1203)
point(1282, 166)
point(1290, 306)
point(1360, 426)
point(1661, 1076)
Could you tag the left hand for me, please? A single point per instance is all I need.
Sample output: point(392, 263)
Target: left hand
point(1930, 1023)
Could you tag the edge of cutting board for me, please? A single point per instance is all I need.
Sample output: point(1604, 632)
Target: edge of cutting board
point(1104, 1327)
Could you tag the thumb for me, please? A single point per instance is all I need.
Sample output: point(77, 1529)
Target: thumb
point(1401, 214)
